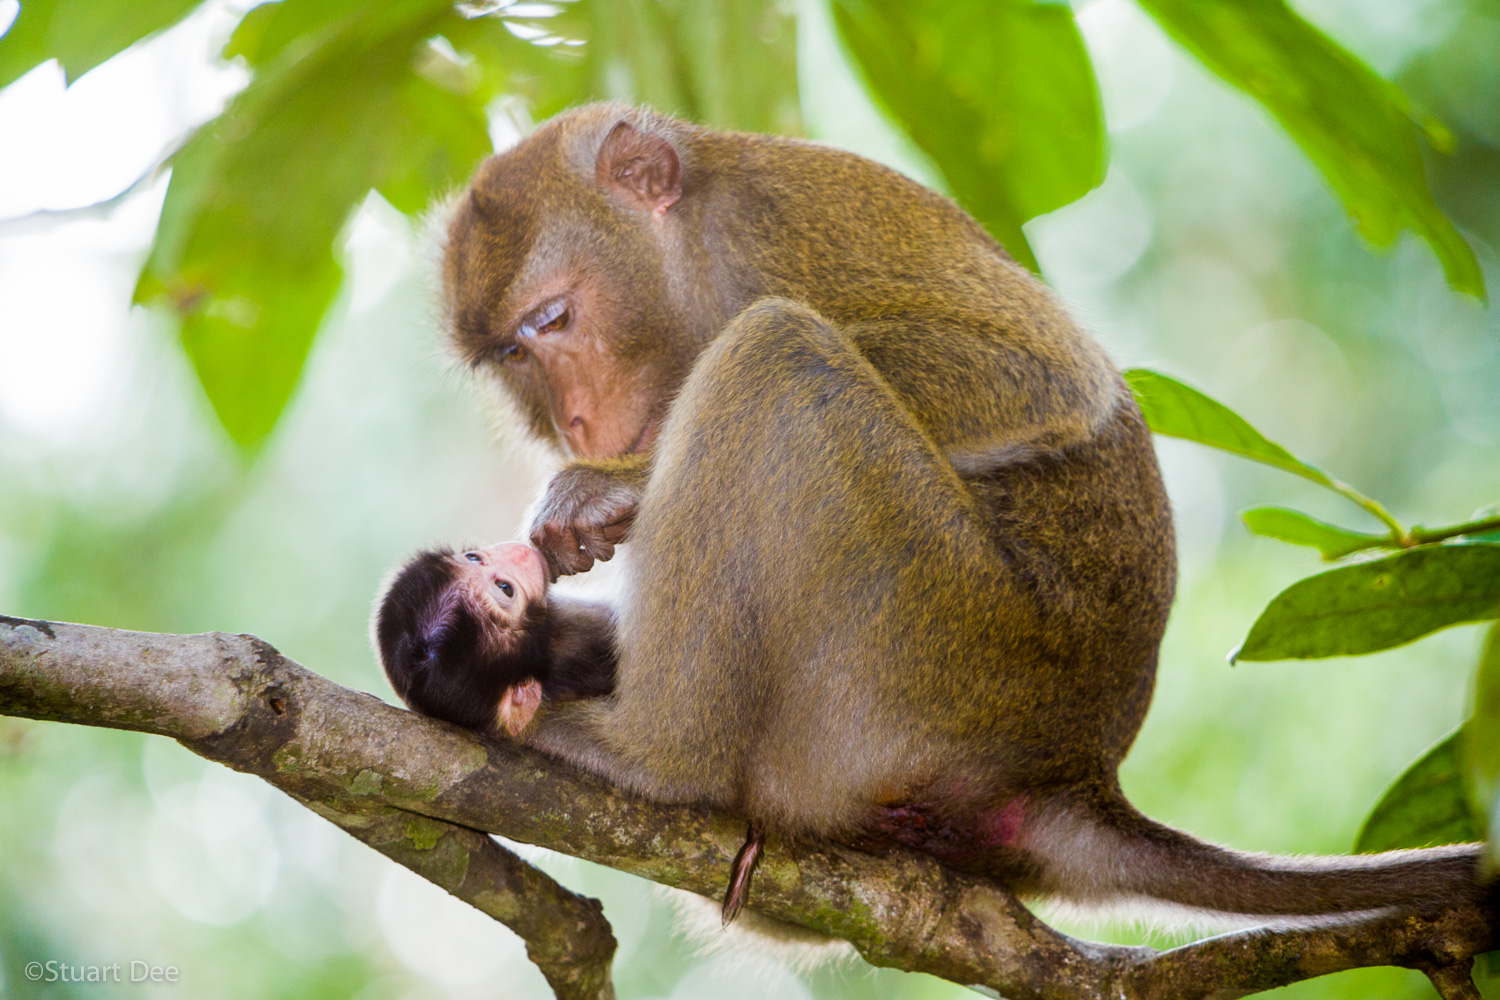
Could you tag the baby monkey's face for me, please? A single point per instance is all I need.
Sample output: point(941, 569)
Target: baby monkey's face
point(504, 579)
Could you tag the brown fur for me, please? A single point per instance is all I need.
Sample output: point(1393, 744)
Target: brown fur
point(902, 558)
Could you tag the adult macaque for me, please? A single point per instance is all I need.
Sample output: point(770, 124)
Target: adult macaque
point(901, 557)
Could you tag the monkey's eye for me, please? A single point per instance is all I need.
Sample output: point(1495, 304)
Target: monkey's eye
point(555, 323)
point(506, 588)
point(551, 318)
point(512, 352)
point(473, 557)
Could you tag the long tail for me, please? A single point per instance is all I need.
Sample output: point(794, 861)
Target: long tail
point(1106, 850)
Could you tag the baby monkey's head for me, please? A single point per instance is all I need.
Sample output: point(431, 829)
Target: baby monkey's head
point(463, 635)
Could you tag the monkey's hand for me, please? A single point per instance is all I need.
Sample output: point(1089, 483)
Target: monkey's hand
point(587, 510)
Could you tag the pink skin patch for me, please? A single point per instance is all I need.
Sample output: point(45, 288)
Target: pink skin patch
point(1002, 827)
point(960, 836)
point(518, 706)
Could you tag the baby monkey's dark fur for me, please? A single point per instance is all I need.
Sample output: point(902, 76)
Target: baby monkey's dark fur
point(443, 657)
point(901, 559)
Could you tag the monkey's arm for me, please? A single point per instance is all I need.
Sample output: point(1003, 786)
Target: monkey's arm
point(587, 510)
point(579, 732)
point(582, 650)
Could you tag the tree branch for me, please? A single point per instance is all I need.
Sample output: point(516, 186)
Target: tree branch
point(419, 790)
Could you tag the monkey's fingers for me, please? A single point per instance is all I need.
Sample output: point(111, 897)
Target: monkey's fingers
point(596, 544)
point(740, 872)
point(577, 551)
point(559, 546)
point(617, 530)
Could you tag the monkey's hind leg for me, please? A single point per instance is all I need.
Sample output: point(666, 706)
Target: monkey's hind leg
point(805, 575)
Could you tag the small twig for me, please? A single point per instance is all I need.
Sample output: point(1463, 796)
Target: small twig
point(1479, 526)
point(566, 934)
point(1453, 981)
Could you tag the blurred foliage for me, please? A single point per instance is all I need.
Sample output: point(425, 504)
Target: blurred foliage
point(79, 34)
point(1356, 127)
point(972, 83)
point(346, 97)
point(1210, 249)
point(1479, 746)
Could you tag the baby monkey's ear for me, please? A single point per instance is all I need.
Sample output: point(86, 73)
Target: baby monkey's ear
point(518, 705)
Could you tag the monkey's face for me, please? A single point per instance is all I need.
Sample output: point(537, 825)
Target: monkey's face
point(555, 282)
point(463, 636)
point(503, 580)
point(507, 584)
point(577, 348)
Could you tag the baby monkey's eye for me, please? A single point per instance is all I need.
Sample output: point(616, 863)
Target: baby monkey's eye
point(473, 557)
point(512, 352)
point(506, 588)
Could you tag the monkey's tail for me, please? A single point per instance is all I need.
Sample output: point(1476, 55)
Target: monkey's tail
point(1107, 851)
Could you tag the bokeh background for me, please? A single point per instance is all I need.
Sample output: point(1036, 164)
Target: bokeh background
point(1213, 251)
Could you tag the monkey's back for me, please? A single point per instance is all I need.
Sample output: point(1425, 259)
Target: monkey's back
point(989, 635)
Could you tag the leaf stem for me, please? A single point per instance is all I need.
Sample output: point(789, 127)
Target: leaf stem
point(1399, 534)
point(1422, 536)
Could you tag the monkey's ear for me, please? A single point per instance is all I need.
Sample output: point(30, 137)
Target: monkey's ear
point(484, 203)
point(640, 165)
point(518, 705)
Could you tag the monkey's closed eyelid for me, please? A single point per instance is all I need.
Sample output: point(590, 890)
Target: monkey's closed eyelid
point(549, 314)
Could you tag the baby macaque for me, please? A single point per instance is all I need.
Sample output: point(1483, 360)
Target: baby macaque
point(473, 638)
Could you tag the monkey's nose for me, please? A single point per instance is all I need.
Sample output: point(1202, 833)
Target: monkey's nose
point(577, 434)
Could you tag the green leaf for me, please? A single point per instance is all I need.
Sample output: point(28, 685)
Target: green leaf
point(1298, 528)
point(999, 93)
point(1354, 126)
point(80, 34)
point(728, 63)
point(1177, 410)
point(1425, 807)
point(738, 60)
point(245, 250)
point(1481, 750)
point(1379, 604)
